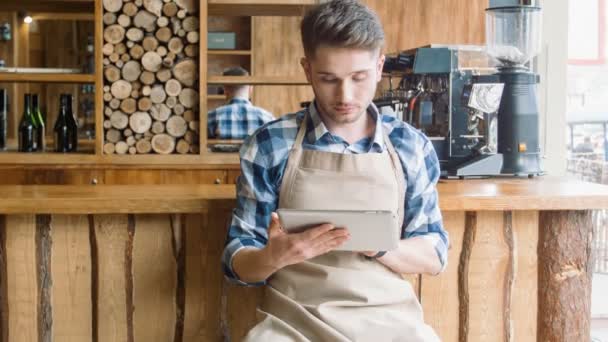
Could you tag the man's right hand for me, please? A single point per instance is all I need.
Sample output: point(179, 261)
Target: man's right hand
point(253, 265)
point(285, 249)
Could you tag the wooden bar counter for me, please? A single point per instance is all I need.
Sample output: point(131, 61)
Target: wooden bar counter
point(142, 263)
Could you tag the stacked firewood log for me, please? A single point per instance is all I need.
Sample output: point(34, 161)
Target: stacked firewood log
point(150, 76)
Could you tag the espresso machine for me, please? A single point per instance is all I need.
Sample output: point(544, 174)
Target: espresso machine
point(513, 38)
point(477, 104)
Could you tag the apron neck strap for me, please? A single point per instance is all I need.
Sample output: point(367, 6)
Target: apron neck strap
point(301, 131)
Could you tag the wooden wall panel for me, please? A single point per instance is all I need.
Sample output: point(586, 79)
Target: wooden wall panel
point(413, 23)
point(277, 47)
point(486, 278)
point(440, 295)
point(194, 279)
point(112, 242)
point(71, 276)
point(205, 235)
point(12, 176)
point(524, 298)
point(21, 278)
point(154, 279)
point(277, 52)
point(132, 278)
point(217, 63)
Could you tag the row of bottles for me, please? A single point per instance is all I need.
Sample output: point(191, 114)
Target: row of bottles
point(32, 127)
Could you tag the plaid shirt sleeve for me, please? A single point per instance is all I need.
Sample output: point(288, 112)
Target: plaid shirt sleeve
point(211, 123)
point(422, 214)
point(263, 158)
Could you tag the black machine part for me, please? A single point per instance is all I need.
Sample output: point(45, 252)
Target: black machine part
point(518, 121)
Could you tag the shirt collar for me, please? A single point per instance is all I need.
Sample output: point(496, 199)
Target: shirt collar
point(316, 129)
point(238, 99)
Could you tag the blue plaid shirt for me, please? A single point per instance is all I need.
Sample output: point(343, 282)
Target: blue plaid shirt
point(236, 120)
point(264, 158)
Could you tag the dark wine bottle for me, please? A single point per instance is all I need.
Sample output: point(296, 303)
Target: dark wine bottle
point(3, 117)
point(40, 125)
point(27, 127)
point(66, 129)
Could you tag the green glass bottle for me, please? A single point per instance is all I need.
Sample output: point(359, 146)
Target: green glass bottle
point(27, 127)
point(66, 129)
point(40, 125)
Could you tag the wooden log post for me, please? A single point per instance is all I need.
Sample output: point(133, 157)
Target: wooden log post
point(564, 275)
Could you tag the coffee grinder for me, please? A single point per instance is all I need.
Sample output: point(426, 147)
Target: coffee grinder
point(513, 38)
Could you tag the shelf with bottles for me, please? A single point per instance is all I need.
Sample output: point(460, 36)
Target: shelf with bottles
point(33, 131)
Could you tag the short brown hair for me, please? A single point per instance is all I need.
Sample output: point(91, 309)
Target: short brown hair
point(235, 71)
point(341, 23)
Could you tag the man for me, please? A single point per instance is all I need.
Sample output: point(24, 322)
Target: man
point(339, 153)
point(239, 118)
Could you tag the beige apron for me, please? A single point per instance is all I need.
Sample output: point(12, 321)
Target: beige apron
point(341, 296)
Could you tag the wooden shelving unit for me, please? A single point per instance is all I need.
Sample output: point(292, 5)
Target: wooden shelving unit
point(242, 55)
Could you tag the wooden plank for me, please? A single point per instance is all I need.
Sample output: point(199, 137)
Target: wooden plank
point(62, 16)
point(202, 80)
point(109, 199)
point(190, 198)
point(3, 282)
point(110, 288)
point(99, 136)
point(195, 264)
point(154, 279)
point(21, 277)
point(486, 276)
point(233, 176)
point(217, 64)
point(241, 309)
point(272, 34)
point(126, 177)
point(229, 52)
point(193, 177)
point(239, 303)
point(415, 281)
point(259, 8)
point(423, 14)
point(71, 273)
point(47, 6)
point(256, 80)
point(204, 235)
point(440, 293)
point(216, 97)
point(43, 265)
point(524, 298)
point(212, 160)
point(565, 270)
point(46, 77)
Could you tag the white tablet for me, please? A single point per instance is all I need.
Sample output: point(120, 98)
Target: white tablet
point(369, 230)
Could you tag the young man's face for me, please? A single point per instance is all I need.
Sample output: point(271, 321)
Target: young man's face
point(344, 81)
